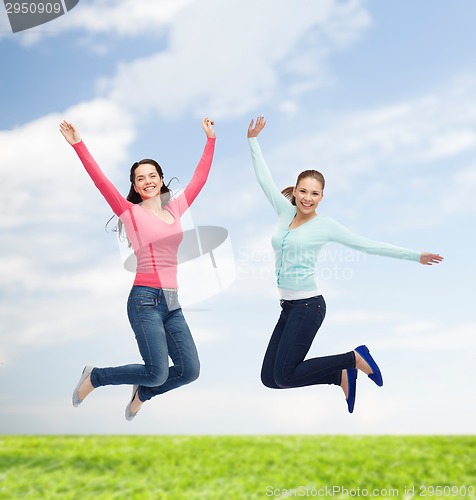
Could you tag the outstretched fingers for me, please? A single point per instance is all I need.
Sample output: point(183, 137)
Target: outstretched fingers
point(429, 259)
point(65, 127)
point(255, 129)
point(69, 132)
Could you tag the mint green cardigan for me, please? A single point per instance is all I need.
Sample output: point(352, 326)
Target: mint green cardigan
point(297, 249)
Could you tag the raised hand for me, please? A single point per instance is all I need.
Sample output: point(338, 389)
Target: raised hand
point(255, 129)
point(428, 259)
point(70, 133)
point(207, 125)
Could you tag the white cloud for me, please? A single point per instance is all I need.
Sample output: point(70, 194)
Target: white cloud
point(48, 200)
point(231, 62)
point(419, 131)
point(38, 166)
point(459, 189)
point(412, 154)
point(416, 328)
point(237, 57)
point(123, 18)
point(426, 336)
point(51, 298)
point(206, 336)
point(18, 270)
point(248, 409)
point(362, 317)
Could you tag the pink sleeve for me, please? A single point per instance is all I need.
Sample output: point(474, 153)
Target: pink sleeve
point(115, 200)
point(199, 177)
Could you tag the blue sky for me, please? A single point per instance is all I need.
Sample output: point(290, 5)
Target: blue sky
point(379, 96)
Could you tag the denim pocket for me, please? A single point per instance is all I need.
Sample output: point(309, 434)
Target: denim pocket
point(144, 300)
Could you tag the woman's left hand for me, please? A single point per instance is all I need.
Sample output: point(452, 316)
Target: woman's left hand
point(427, 258)
point(207, 125)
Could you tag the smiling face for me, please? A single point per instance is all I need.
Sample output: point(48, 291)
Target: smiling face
point(308, 194)
point(147, 181)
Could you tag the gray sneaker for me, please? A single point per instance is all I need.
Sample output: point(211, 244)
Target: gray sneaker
point(76, 399)
point(129, 414)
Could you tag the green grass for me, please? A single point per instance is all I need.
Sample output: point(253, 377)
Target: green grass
point(235, 467)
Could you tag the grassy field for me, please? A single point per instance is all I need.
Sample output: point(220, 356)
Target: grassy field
point(236, 467)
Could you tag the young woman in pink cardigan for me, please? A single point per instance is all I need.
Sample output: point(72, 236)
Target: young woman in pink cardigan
point(152, 224)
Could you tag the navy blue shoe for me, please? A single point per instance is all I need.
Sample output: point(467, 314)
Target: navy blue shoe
point(352, 386)
point(376, 375)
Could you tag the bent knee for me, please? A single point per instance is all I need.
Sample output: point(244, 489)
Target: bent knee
point(156, 377)
point(281, 382)
point(190, 374)
point(269, 382)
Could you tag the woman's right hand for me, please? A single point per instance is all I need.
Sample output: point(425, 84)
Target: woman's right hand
point(70, 133)
point(255, 129)
point(207, 125)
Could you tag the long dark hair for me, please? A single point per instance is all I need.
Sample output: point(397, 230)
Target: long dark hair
point(134, 197)
point(288, 192)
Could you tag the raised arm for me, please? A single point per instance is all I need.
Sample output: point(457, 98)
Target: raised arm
point(115, 200)
point(202, 170)
point(262, 172)
point(340, 234)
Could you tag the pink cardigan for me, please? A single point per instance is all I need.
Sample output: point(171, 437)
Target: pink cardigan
point(155, 242)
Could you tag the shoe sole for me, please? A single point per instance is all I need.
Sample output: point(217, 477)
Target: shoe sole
point(352, 388)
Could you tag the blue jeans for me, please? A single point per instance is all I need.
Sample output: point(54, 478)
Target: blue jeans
point(161, 332)
point(284, 365)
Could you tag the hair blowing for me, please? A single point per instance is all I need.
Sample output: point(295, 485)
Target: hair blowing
point(313, 174)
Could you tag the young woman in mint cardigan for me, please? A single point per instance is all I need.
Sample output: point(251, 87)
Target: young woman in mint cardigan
point(299, 237)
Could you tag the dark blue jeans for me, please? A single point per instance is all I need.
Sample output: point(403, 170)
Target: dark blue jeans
point(161, 332)
point(284, 365)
